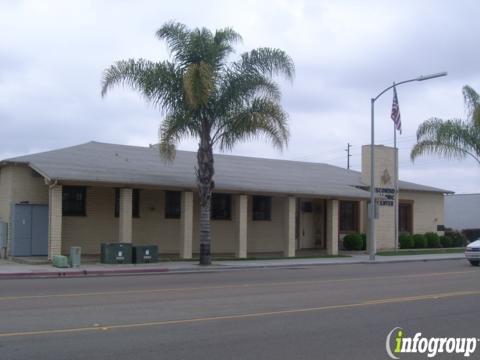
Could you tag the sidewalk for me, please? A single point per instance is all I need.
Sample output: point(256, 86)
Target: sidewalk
point(11, 270)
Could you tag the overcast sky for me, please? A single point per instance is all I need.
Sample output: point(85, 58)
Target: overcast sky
point(53, 53)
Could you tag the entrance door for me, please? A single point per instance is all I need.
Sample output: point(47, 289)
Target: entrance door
point(307, 225)
point(39, 230)
point(29, 230)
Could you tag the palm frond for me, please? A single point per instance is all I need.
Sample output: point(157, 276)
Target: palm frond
point(267, 61)
point(450, 139)
point(262, 117)
point(236, 89)
point(160, 83)
point(177, 37)
point(173, 128)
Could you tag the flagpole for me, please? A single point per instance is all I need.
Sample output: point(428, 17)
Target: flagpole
point(395, 180)
point(395, 185)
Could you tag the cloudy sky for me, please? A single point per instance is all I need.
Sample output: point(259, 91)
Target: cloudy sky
point(53, 53)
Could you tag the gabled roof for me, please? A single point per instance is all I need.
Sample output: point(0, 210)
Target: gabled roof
point(134, 165)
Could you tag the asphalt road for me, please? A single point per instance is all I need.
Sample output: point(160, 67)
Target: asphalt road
point(323, 312)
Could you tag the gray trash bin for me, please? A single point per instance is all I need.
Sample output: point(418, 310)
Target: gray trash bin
point(75, 256)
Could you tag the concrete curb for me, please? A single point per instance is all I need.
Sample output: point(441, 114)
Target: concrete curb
point(215, 268)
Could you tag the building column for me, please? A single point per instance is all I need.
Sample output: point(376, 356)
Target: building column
point(241, 204)
point(332, 227)
point(54, 221)
point(289, 226)
point(186, 225)
point(125, 216)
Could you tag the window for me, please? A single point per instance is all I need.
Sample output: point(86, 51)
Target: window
point(221, 207)
point(173, 204)
point(135, 203)
point(73, 201)
point(348, 216)
point(307, 206)
point(262, 208)
point(405, 218)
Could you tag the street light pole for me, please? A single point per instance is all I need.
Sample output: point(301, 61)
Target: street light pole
point(372, 211)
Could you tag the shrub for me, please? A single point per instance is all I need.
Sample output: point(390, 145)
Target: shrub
point(458, 239)
point(446, 241)
point(433, 240)
point(353, 242)
point(405, 241)
point(419, 241)
point(364, 241)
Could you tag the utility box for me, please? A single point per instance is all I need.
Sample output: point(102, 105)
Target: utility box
point(116, 253)
point(145, 254)
point(60, 261)
point(75, 256)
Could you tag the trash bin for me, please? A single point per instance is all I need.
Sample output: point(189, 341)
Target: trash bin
point(75, 256)
point(145, 254)
point(116, 253)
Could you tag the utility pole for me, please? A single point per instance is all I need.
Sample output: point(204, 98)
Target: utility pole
point(348, 155)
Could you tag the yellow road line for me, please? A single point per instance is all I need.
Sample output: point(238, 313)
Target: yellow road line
point(243, 316)
point(233, 286)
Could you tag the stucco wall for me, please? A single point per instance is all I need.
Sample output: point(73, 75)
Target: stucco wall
point(151, 227)
point(427, 210)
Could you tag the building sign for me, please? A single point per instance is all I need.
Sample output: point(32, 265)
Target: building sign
point(385, 196)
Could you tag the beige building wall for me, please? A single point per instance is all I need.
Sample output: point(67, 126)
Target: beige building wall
point(266, 236)
point(428, 210)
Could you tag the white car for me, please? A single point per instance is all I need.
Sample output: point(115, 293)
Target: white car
point(472, 252)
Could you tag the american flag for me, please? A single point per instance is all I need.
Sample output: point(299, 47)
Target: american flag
point(396, 112)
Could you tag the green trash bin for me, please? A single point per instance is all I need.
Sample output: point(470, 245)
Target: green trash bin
point(145, 254)
point(116, 253)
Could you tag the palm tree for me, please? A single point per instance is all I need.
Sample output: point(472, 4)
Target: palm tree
point(452, 138)
point(207, 97)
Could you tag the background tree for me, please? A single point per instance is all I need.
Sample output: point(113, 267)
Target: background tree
point(452, 138)
point(207, 97)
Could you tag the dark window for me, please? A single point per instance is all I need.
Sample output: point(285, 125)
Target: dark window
point(405, 218)
point(73, 201)
point(348, 216)
point(172, 204)
point(262, 208)
point(307, 206)
point(221, 207)
point(135, 203)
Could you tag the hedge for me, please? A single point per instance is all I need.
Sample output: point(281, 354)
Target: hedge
point(405, 241)
point(433, 240)
point(353, 242)
point(419, 241)
point(458, 239)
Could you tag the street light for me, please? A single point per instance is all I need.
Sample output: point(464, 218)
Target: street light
point(372, 207)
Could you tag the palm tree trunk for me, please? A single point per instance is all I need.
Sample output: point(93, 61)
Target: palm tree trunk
point(205, 183)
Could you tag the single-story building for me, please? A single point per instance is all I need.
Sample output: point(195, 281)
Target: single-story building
point(94, 193)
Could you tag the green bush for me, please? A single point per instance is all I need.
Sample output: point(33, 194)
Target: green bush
point(353, 242)
point(446, 241)
point(364, 241)
point(419, 241)
point(405, 241)
point(433, 240)
point(458, 239)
